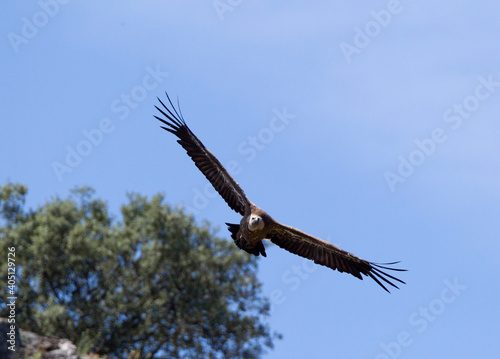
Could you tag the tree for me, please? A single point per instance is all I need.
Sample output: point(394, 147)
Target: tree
point(152, 282)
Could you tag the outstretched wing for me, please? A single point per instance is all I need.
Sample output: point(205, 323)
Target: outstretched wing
point(324, 253)
point(207, 163)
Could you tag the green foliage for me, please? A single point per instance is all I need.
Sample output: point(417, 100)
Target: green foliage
point(153, 282)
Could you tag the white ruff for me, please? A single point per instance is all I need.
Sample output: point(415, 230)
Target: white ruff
point(255, 223)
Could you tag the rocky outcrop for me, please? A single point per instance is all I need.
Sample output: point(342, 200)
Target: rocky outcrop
point(28, 344)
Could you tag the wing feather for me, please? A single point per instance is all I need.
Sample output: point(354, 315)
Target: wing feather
point(329, 255)
point(206, 162)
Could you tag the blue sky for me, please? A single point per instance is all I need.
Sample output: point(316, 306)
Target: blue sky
point(374, 126)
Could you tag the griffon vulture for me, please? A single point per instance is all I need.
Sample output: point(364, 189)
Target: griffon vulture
point(256, 224)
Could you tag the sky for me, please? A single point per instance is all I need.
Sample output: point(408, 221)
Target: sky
point(371, 125)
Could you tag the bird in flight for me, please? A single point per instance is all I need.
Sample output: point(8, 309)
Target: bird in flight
point(256, 224)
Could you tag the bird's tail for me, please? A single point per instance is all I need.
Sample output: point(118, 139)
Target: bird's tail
point(233, 228)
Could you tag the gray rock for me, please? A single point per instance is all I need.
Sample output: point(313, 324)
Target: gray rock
point(28, 344)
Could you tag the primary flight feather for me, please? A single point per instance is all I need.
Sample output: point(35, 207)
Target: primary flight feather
point(256, 224)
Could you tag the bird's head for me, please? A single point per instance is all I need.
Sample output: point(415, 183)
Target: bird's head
point(255, 223)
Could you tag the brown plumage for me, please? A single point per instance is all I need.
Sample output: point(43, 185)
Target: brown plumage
point(256, 224)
